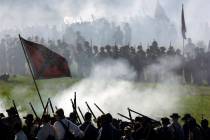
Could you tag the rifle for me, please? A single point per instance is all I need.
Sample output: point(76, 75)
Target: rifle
point(75, 100)
point(154, 121)
point(81, 113)
point(51, 106)
point(45, 108)
point(130, 116)
point(75, 111)
point(13, 102)
point(33, 110)
point(124, 116)
point(99, 108)
point(91, 111)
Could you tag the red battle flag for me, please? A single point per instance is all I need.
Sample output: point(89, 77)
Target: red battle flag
point(45, 63)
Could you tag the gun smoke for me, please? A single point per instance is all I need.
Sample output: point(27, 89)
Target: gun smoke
point(112, 86)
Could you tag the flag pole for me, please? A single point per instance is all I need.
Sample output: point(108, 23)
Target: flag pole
point(37, 89)
point(183, 47)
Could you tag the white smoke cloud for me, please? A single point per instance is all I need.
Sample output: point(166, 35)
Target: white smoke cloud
point(112, 86)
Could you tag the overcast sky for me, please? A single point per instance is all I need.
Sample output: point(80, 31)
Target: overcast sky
point(19, 13)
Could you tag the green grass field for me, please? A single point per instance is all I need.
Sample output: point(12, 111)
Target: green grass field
point(22, 90)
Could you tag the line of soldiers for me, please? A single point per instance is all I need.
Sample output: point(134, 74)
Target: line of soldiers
point(194, 67)
point(104, 127)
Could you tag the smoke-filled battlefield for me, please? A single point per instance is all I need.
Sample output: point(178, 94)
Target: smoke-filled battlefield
point(121, 53)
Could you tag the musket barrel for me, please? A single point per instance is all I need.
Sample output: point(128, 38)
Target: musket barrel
point(75, 110)
point(81, 113)
point(45, 108)
point(124, 116)
point(142, 115)
point(130, 116)
point(13, 102)
point(51, 106)
point(91, 110)
point(33, 110)
point(99, 108)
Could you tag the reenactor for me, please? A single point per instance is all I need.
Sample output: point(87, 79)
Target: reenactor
point(176, 128)
point(108, 51)
point(30, 128)
point(164, 132)
point(90, 131)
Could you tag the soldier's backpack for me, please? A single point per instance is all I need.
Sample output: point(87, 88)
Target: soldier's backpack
point(68, 135)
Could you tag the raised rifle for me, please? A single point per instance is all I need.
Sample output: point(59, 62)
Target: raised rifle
point(13, 102)
point(152, 120)
point(99, 108)
point(91, 111)
point(121, 115)
point(81, 113)
point(75, 101)
point(32, 108)
point(45, 108)
point(75, 111)
point(51, 106)
point(130, 116)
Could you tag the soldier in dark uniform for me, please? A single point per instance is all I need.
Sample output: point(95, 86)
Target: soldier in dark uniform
point(102, 54)
point(164, 132)
point(162, 51)
point(127, 134)
point(29, 128)
point(176, 128)
point(12, 120)
point(186, 126)
point(108, 51)
point(115, 52)
point(205, 130)
point(171, 51)
point(90, 132)
point(107, 130)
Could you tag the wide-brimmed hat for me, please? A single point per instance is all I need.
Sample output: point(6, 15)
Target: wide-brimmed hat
point(186, 116)
point(165, 120)
point(175, 115)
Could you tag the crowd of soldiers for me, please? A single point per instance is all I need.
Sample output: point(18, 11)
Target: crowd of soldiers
point(83, 55)
point(104, 127)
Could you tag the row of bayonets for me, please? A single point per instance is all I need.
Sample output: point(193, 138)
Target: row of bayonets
point(75, 107)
